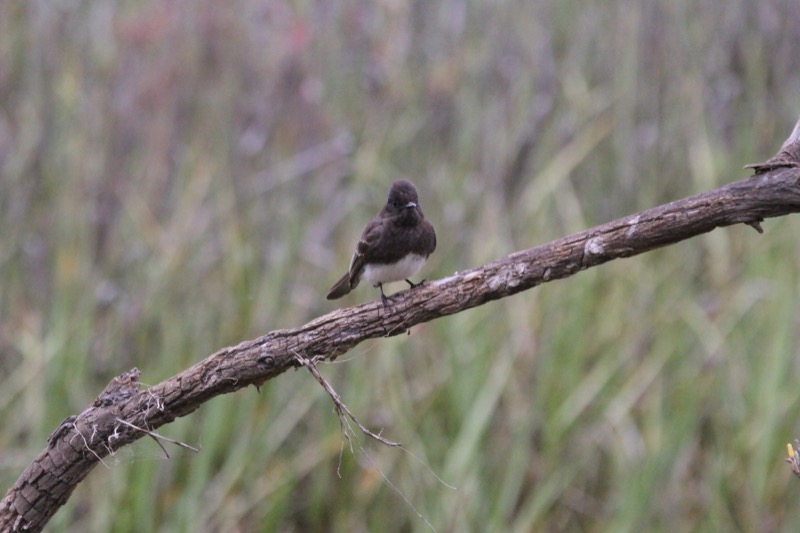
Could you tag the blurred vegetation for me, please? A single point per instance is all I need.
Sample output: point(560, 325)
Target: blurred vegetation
point(179, 176)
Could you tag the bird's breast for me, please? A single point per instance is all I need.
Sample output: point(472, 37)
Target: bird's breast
point(383, 273)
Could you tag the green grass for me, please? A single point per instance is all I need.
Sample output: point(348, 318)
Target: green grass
point(178, 178)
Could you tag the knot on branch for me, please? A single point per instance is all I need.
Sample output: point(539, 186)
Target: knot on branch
point(267, 361)
point(119, 389)
point(594, 246)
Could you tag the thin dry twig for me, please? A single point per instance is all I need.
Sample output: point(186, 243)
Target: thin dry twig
point(344, 423)
point(86, 446)
point(339, 405)
point(158, 438)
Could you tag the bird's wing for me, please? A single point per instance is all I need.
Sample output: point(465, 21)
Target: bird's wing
point(433, 235)
point(366, 245)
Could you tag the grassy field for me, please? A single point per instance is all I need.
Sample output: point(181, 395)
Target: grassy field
point(176, 177)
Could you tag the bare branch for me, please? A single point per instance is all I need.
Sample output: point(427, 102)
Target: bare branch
point(66, 460)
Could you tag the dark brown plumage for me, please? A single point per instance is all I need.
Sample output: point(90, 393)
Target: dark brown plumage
point(394, 245)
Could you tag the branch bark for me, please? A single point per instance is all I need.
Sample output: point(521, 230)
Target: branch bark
point(81, 441)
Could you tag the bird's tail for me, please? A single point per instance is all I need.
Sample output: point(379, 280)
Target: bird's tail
point(340, 288)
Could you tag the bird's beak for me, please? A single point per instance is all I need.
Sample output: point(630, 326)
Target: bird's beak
point(411, 204)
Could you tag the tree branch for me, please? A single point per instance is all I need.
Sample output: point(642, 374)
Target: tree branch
point(123, 413)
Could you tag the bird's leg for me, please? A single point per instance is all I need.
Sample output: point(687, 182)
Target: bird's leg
point(413, 285)
point(384, 298)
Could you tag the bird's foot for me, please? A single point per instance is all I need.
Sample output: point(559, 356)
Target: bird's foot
point(385, 299)
point(413, 285)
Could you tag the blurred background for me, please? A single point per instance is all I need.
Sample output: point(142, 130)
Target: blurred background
point(176, 177)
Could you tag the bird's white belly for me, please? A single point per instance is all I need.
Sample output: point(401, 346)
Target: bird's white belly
point(403, 269)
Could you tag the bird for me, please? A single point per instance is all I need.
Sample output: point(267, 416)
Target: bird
point(394, 245)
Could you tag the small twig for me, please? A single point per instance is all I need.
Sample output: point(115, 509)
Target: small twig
point(158, 437)
point(341, 408)
point(341, 411)
point(397, 490)
point(86, 445)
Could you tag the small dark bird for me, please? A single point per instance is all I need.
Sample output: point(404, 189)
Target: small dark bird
point(394, 245)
